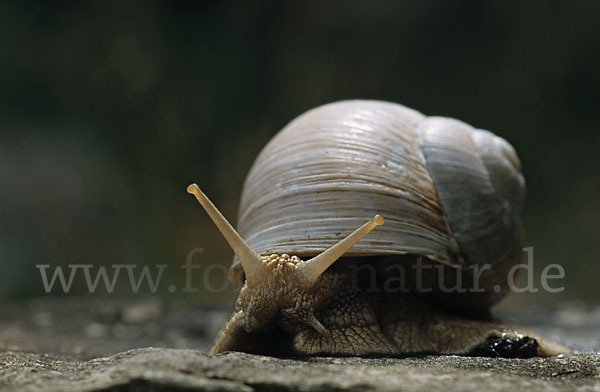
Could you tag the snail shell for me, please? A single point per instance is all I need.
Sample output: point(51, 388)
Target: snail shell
point(448, 192)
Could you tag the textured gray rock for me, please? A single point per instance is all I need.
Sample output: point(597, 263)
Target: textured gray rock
point(159, 369)
point(84, 345)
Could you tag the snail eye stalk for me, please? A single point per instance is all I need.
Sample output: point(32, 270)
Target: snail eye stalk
point(310, 270)
point(250, 260)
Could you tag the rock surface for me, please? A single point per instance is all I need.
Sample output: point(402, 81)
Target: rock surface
point(83, 345)
point(159, 369)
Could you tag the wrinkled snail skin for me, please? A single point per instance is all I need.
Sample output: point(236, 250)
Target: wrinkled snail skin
point(451, 197)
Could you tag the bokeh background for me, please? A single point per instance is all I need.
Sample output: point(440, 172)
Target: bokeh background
point(108, 110)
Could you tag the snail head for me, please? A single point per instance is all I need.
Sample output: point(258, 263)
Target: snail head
point(278, 284)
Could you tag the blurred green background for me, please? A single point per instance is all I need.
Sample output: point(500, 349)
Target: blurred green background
point(109, 109)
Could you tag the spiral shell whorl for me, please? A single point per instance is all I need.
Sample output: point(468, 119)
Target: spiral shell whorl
point(478, 187)
point(447, 191)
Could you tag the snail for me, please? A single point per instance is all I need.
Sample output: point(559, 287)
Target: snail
point(420, 276)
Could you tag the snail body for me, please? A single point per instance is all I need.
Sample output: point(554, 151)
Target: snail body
point(451, 197)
